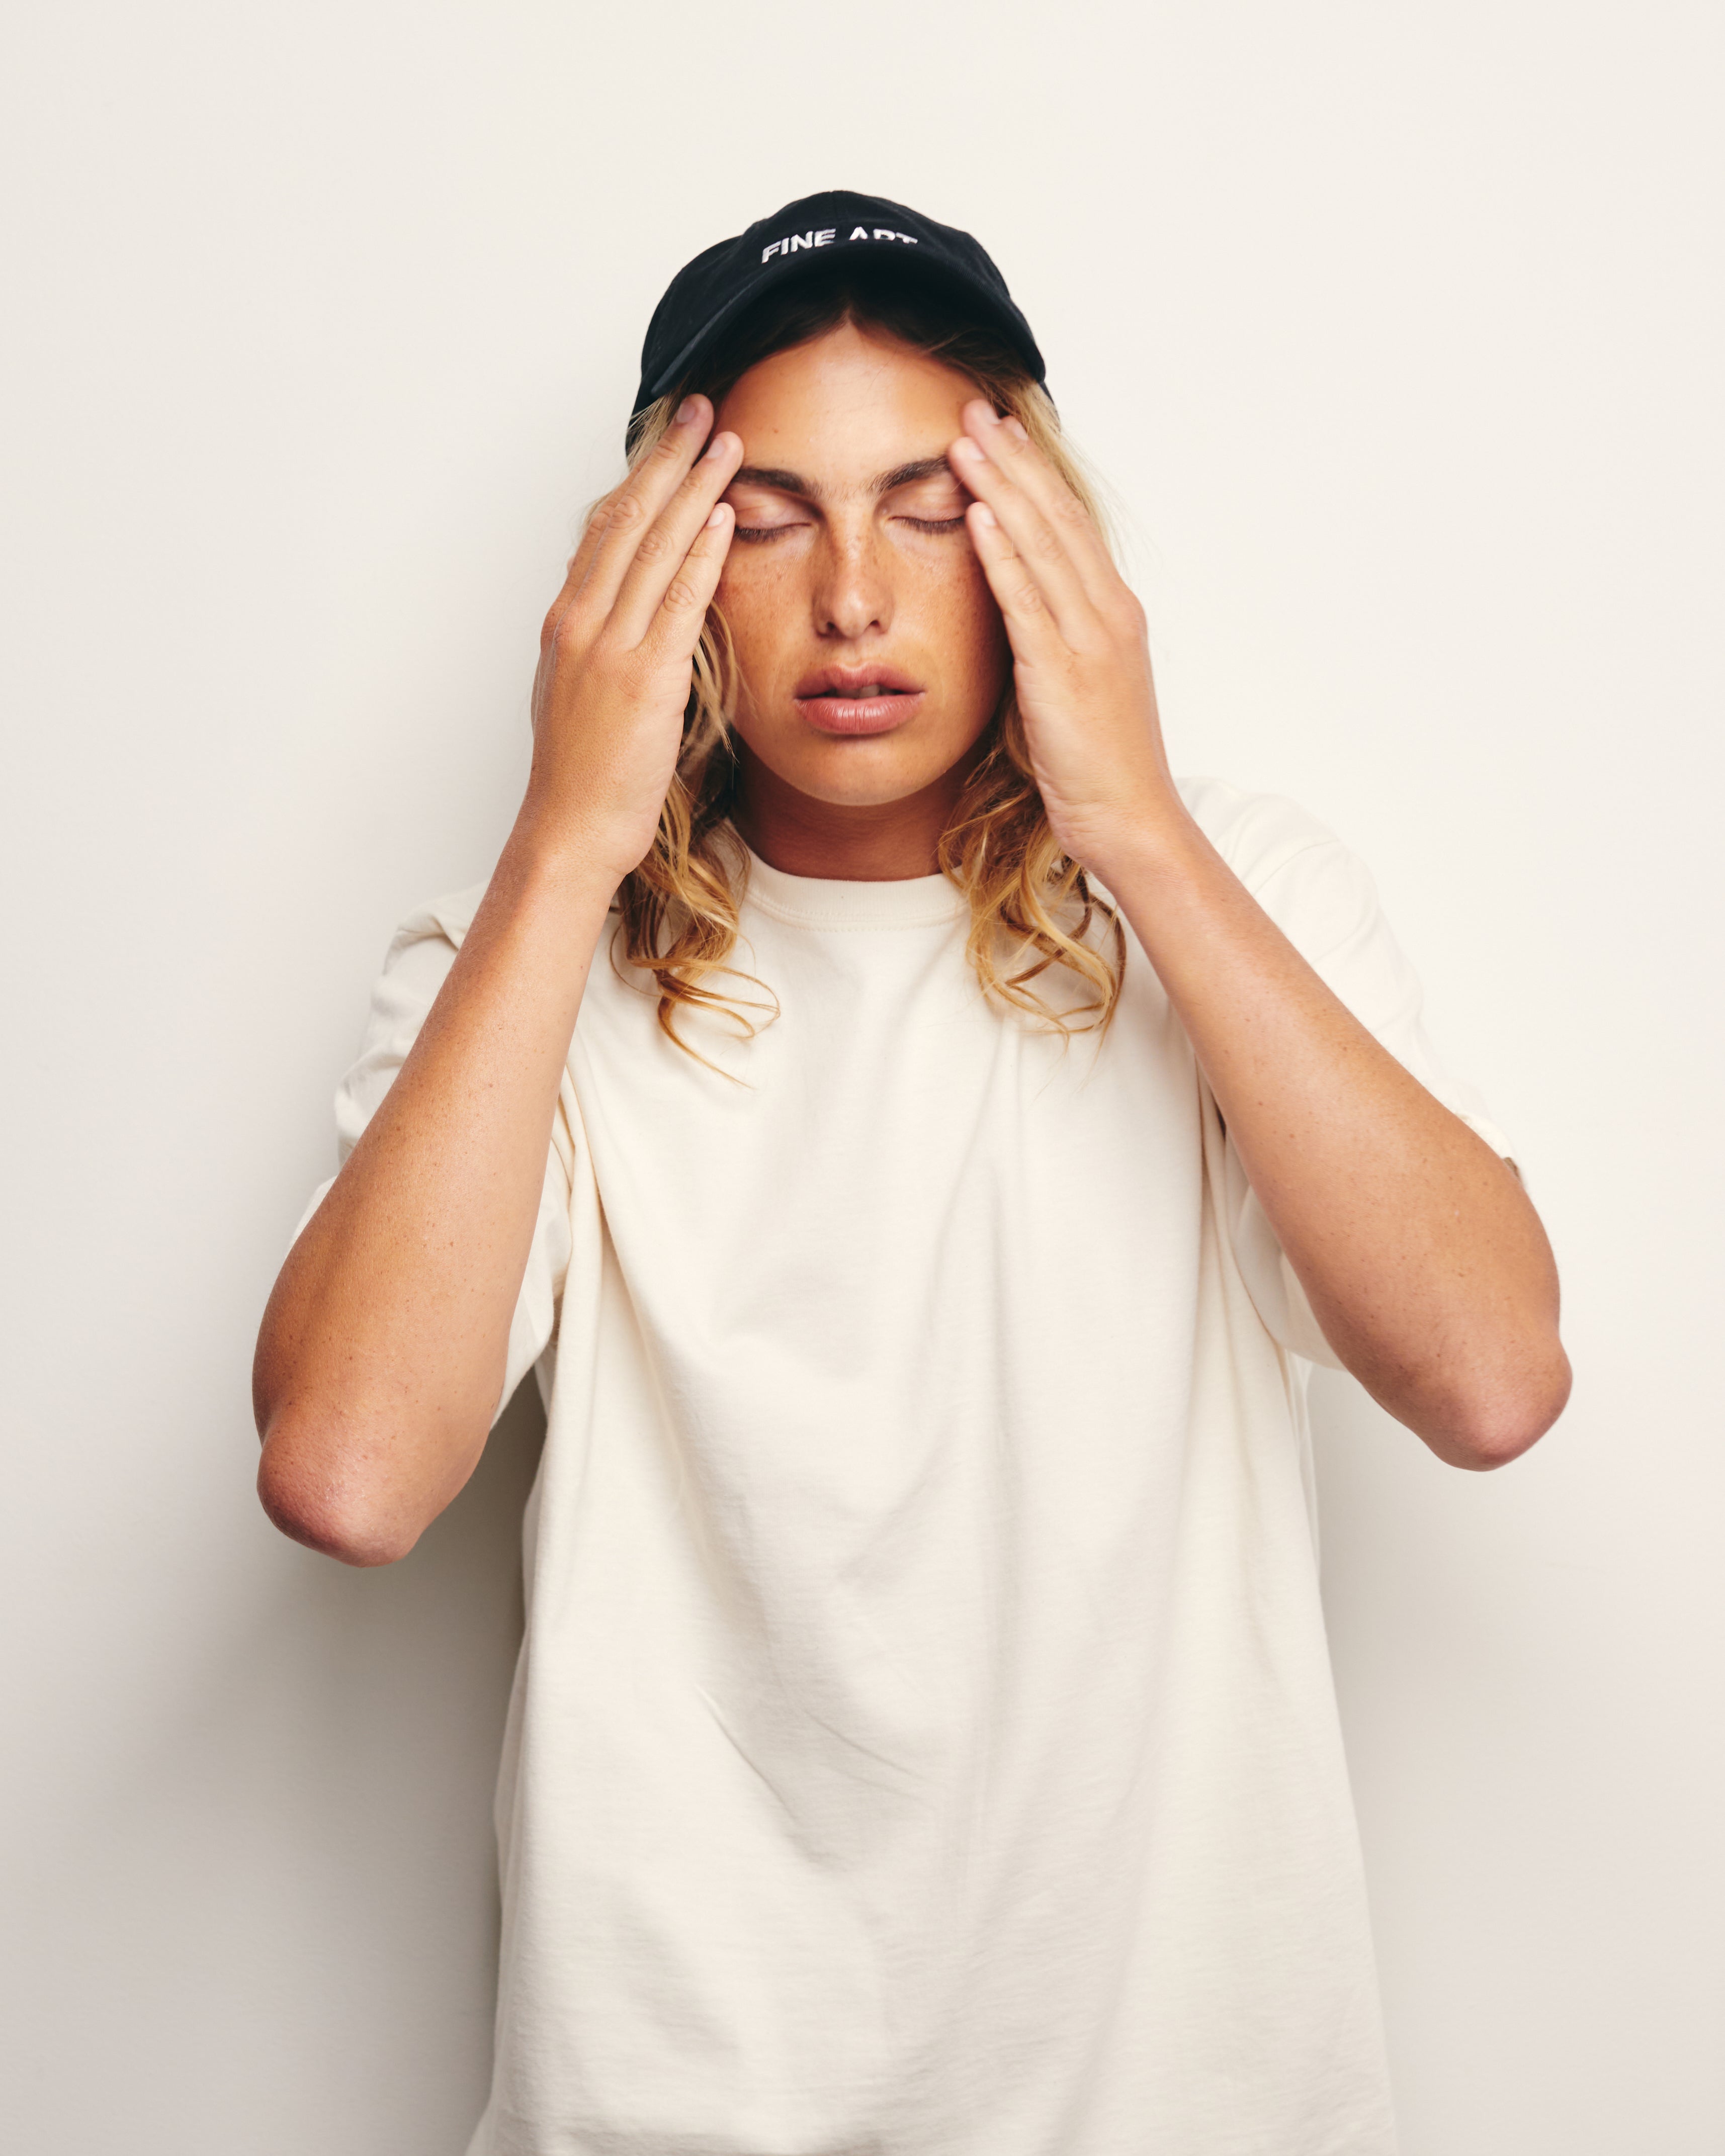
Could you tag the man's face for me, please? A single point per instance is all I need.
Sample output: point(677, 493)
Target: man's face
point(871, 652)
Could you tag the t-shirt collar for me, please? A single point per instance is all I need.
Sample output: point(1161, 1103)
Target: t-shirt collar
point(824, 902)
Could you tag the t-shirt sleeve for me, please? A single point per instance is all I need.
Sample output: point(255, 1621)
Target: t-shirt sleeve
point(414, 969)
point(1325, 901)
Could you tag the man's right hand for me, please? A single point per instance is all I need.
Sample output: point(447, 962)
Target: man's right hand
point(616, 655)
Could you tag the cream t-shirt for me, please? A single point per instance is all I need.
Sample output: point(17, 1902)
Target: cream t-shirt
point(923, 1741)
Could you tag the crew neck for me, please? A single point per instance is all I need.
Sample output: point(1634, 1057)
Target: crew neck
point(827, 902)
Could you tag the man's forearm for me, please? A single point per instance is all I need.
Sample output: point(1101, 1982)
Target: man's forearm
point(382, 1351)
point(1423, 1258)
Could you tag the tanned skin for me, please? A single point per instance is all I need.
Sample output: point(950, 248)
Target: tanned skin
point(884, 546)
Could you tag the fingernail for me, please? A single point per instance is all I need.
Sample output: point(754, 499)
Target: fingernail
point(971, 451)
point(686, 411)
point(1015, 429)
point(984, 515)
point(718, 515)
point(991, 415)
point(718, 445)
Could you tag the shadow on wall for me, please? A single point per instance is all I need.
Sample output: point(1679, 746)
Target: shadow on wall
point(286, 1916)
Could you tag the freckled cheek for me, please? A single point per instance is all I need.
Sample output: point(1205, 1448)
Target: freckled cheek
point(958, 615)
point(760, 602)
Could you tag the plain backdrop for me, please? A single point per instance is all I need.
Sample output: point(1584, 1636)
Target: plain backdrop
point(1398, 334)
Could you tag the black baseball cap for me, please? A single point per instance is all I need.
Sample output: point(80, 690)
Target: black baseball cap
point(709, 293)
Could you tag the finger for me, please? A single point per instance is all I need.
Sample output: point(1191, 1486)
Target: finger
point(682, 435)
point(1039, 545)
point(681, 613)
point(1007, 445)
point(1030, 626)
point(689, 415)
point(631, 510)
point(667, 540)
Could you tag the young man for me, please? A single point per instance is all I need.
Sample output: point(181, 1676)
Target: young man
point(923, 1739)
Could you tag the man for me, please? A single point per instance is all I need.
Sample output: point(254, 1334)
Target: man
point(923, 1738)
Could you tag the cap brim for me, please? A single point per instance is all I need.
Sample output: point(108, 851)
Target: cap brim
point(989, 306)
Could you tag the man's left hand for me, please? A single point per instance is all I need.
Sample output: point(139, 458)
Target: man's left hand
point(1080, 647)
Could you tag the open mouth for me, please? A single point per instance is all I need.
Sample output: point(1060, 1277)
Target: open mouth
point(858, 700)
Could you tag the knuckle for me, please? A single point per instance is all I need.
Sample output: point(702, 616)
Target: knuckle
point(567, 632)
point(680, 595)
point(626, 512)
point(1126, 609)
point(655, 541)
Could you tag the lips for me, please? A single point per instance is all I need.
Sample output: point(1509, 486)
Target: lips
point(858, 700)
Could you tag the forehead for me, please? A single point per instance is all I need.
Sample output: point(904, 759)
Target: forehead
point(845, 407)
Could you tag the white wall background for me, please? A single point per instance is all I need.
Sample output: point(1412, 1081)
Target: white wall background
point(1400, 333)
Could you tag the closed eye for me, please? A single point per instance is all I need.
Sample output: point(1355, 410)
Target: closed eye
point(761, 535)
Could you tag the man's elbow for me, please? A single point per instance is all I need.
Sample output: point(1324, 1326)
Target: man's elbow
point(1509, 1417)
point(352, 1525)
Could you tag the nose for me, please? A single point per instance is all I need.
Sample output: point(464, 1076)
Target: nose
point(852, 587)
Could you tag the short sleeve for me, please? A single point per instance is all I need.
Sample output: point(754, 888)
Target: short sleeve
point(415, 967)
point(1325, 901)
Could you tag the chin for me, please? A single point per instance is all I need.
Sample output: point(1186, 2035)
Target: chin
point(867, 773)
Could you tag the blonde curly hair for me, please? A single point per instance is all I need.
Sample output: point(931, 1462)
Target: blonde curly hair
point(1031, 906)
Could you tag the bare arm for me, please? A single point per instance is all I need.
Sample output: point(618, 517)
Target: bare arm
point(383, 1351)
point(1422, 1259)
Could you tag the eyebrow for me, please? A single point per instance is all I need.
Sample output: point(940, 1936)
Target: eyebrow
point(790, 482)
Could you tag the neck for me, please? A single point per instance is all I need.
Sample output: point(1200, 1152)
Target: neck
point(847, 842)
